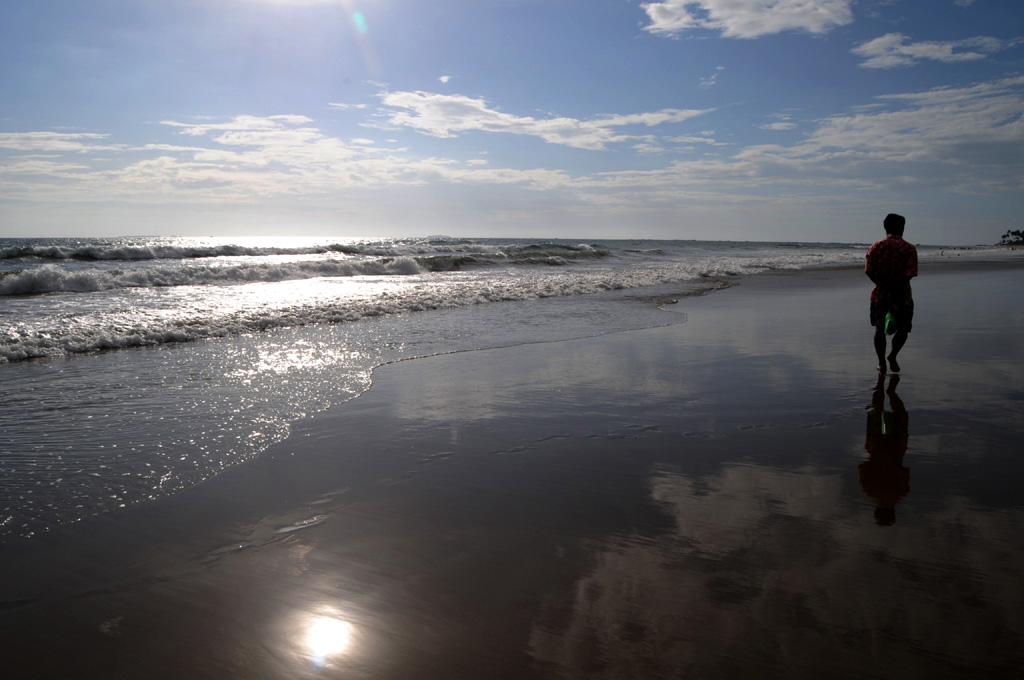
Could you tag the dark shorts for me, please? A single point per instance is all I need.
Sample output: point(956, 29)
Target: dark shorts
point(904, 316)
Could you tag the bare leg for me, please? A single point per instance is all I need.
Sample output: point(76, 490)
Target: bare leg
point(880, 346)
point(898, 341)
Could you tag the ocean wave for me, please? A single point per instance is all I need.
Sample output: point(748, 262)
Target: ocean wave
point(51, 278)
point(134, 253)
point(646, 251)
point(404, 259)
point(116, 331)
point(137, 252)
point(114, 252)
point(533, 254)
point(489, 271)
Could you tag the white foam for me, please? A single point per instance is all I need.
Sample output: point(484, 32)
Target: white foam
point(51, 278)
point(84, 308)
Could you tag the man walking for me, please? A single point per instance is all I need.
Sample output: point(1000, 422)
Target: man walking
point(891, 263)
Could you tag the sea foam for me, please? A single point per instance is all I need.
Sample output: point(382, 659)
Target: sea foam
point(50, 278)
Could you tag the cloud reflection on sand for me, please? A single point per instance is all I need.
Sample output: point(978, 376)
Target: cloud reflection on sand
point(776, 570)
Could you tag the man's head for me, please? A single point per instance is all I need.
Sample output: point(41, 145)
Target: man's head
point(894, 224)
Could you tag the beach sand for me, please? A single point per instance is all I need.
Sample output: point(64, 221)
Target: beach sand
point(720, 498)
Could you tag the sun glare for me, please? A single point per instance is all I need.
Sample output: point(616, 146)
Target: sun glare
point(360, 21)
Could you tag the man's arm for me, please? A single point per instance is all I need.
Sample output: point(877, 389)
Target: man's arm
point(912, 264)
point(868, 266)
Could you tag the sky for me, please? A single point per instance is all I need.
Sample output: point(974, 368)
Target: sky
point(777, 120)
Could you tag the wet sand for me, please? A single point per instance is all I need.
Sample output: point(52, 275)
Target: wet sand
point(735, 496)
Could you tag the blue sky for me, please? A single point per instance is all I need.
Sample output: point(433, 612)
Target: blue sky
point(727, 119)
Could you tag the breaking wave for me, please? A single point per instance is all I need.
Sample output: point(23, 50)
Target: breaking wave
point(458, 251)
point(50, 278)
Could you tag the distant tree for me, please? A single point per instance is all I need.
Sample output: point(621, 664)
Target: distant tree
point(1013, 238)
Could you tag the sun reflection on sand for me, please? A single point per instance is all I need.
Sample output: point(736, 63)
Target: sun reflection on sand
point(326, 635)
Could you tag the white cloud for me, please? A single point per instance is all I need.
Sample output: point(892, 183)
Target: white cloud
point(649, 147)
point(747, 18)
point(284, 141)
point(694, 140)
point(174, 148)
point(240, 124)
point(445, 79)
point(54, 141)
point(892, 50)
point(242, 160)
point(40, 165)
point(445, 115)
point(711, 80)
point(783, 122)
point(968, 139)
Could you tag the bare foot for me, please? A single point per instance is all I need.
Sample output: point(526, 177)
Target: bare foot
point(881, 370)
point(893, 365)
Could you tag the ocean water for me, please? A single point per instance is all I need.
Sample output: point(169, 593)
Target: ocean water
point(132, 368)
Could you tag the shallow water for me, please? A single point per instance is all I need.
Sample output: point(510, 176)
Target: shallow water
point(93, 433)
point(690, 500)
point(160, 362)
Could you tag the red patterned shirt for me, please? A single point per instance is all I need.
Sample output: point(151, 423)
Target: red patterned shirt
point(891, 263)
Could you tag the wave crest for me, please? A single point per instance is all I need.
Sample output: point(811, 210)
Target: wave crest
point(51, 278)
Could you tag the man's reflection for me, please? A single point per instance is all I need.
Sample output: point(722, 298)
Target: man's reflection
point(883, 477)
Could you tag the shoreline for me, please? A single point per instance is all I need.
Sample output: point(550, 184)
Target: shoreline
point(486, 513)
